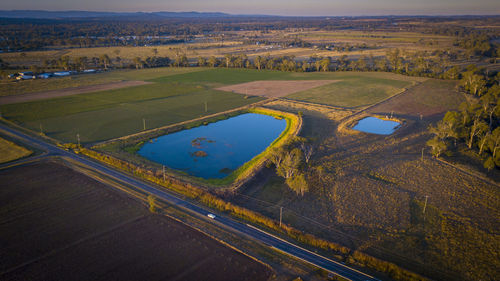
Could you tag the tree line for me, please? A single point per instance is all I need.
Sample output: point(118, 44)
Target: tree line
point(477, 122)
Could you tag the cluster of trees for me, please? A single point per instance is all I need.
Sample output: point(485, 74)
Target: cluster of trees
point(290, 161)
point(476, 124)
point(397, 61)
point(478, 45)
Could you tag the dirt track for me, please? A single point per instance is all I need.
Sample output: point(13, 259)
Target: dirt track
point(274, 89)
point(69, 91)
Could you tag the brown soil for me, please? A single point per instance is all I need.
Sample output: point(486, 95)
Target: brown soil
point(69, 91)
point(57, 224)
point(274, 89)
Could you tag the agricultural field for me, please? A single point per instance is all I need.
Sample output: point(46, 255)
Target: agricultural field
point(10, 151)
point(354, 91)
point(8, 88)
point(368, 191)
point(58, 224)
point(170, 99)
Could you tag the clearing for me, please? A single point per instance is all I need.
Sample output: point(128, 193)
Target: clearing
point(58, 224)
point(274, 89)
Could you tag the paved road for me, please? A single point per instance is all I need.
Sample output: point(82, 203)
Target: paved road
point(226, 222)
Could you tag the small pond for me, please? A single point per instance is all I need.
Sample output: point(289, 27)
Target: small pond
point(217, 149)
point(376, 126)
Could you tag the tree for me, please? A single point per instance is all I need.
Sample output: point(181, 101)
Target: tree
point(478, 126)
point(493, 142)
point(298, 184)
point(81, 62)
point(394, 58)
point(258, 62)
point(473, 83)
point(489, 103)
point(138, 63)
point(290, 164)
point(307, 149)
point(152, 203)
point(213, 61)
point(452, 73)
point(105, 60)
point(325, 64)
point(438, 146)
point(229, 59)
point(202, 61)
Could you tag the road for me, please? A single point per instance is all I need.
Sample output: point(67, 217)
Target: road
point(221, 221)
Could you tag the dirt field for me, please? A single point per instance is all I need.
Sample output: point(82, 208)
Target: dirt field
point(57, 224)
point(69, 91)
point(274, 89)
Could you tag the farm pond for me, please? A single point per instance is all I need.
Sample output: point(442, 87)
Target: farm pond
point(375, 125)
point(217, 149)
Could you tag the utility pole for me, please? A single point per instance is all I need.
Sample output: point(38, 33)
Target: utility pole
point(163, 172)
point(281, 214)
point(78, 138)
point(425, 204)
point(423, 154)
point(144, 124)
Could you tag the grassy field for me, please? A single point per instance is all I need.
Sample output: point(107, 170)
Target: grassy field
point(367, 192)
point(10, 151)
point(109, 114)
point(39, 85)
point(173, 97)
point(353, 91)
point(58, 224)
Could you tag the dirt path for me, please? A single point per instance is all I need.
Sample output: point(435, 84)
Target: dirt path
point(274, 89)
point(69, 91)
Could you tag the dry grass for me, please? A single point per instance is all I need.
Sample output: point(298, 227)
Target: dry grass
point(10, 151)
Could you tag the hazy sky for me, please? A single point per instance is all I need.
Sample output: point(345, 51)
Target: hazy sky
point(274, 7)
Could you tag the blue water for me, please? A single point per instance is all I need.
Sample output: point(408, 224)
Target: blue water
point(217, 149)
point(376, 126)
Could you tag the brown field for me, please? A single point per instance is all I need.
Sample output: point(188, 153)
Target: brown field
point(430, 98)
point(274, 89)
point(57, 224)
point(69, 91)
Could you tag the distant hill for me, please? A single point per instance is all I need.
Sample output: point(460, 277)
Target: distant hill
point(40, 14)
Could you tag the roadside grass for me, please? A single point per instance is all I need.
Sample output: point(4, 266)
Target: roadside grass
point(10, 151)
point(353, 91)
point(39, 85)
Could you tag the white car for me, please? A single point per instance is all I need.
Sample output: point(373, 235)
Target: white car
point(212, 216)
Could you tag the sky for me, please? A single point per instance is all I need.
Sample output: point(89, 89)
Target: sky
point(271, 7)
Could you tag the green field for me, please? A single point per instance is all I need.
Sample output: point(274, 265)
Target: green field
point(10, 151)
point(8, 88)
point(353, 91)
point(178, 95)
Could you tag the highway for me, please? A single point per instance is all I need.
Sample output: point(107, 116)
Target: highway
point(221, 221)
